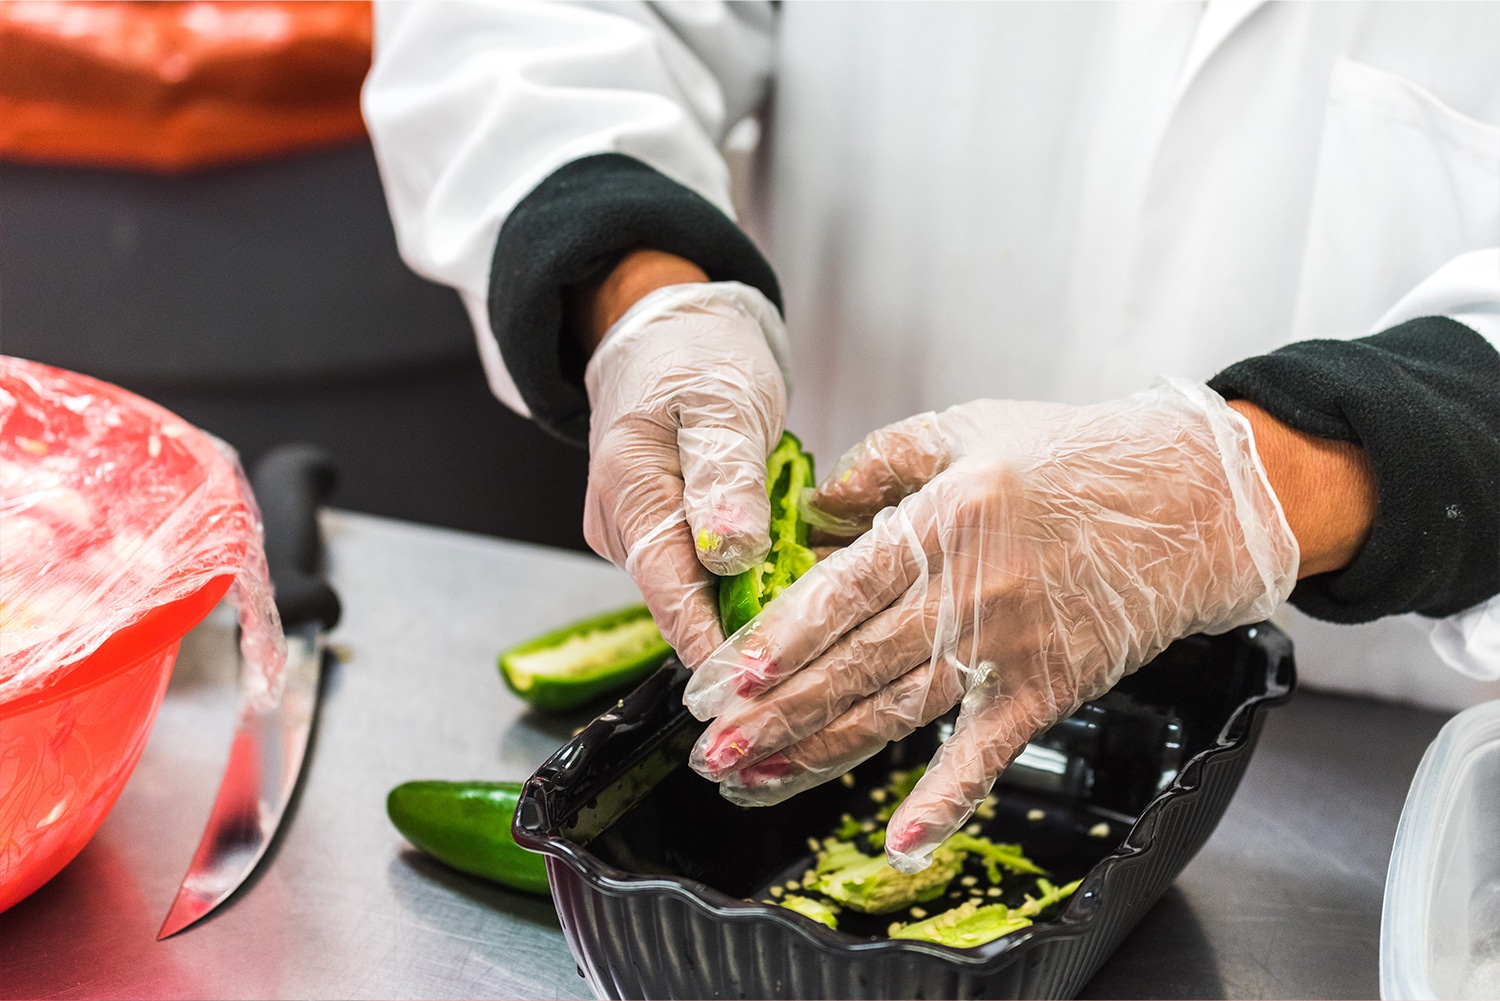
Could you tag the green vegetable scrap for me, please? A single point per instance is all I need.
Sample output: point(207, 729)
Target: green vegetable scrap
point(869, 884)
point(996, 856)
point(965, 926)
point(789, 471)
point(585, 660)
point(845, 873)
point(467, 826)
point(810, 908)
point(1050, 895)
point(848, 828)
point(970, 924)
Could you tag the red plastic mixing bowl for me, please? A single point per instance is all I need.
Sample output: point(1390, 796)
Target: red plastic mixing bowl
point(67, 749)
point(123, 526)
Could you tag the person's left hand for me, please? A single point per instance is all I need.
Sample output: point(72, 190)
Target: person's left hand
point(1035, 554)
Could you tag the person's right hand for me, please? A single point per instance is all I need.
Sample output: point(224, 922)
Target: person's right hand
point(687, 400)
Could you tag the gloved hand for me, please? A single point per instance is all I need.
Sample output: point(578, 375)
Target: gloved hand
point(688, 400)
point(1035, 554)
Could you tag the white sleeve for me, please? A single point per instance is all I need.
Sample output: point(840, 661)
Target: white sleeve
point(1466, 289)
point(1469, 642)
point(471, 104)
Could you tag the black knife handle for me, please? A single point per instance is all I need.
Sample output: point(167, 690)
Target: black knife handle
point(289, 481)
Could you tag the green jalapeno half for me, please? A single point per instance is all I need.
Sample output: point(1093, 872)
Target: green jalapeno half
point(789, 471)
point(585, 660)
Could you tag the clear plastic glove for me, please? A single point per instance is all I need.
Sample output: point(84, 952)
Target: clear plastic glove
point(688, 400)
point(1034, 555)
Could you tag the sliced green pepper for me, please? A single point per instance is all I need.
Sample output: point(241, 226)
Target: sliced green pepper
point(584, 660)
point(467, 826)
point(789, 470)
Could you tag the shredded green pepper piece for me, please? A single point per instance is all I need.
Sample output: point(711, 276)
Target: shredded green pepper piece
point(869, 884)
point(810, 908)
point(969, 924)
point(996, 855)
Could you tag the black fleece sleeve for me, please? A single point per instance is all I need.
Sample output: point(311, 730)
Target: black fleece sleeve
point(573, 228)
point(1423, 398)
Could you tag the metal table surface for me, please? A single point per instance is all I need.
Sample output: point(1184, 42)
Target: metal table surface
point(1284, 901)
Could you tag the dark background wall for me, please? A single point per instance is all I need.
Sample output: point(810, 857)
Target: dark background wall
point(266, 304)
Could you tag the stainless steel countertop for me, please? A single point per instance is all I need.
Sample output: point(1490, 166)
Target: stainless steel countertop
point(1284, 901)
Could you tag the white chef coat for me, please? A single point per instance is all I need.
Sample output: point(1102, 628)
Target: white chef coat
point(1045, 201)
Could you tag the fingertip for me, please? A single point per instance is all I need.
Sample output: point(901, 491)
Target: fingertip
point(716, 755)
point(720, 677)
point(773, 779)
point(772, 768)
point(730, 537)
point(877, 473)
point(725, 552)
point(902, 837)
point(705, 696)
point(907, 864)
point(724, 497)
point(916, 830)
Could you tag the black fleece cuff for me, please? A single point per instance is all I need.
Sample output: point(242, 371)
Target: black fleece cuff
point(573, 228)
point(1423, 398)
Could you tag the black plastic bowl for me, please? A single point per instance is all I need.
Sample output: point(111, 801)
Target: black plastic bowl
point(650, 868)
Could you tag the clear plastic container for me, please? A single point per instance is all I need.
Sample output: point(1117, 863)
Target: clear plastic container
point(1440, 930)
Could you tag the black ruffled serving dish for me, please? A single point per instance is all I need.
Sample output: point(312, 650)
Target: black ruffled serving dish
point(651, 869)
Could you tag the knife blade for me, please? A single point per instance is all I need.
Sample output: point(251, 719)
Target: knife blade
point(270, 741)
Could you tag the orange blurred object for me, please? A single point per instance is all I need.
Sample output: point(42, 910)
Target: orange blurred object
point(174, 86)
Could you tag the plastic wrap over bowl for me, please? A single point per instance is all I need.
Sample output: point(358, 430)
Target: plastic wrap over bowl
point(121, 527)
point(651, 869)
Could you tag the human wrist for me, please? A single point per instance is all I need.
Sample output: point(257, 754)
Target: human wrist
point(639, 273)
point(1326, 488)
